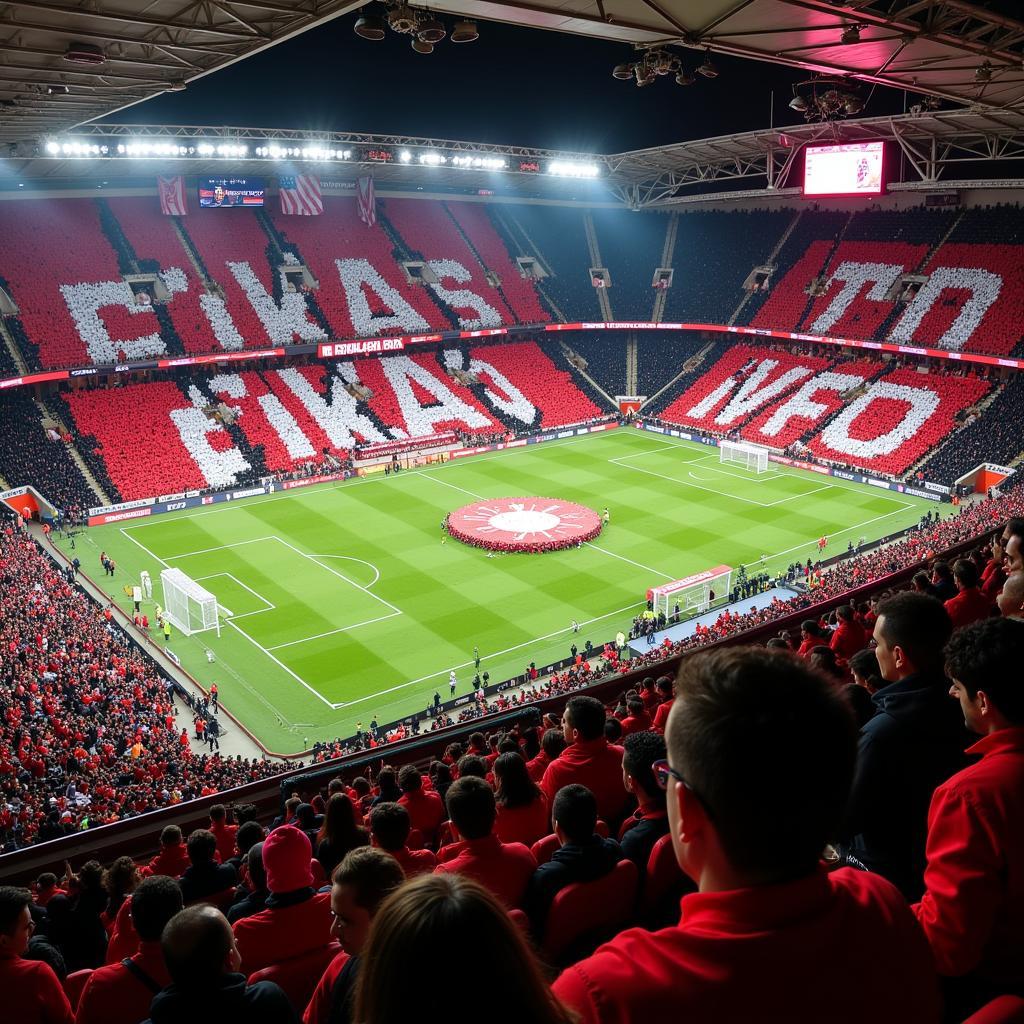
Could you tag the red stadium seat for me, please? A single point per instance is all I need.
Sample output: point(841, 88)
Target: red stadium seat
point(544, 848)
point(74, 985)
point(300, 975)
point(588, 912)
point(1002, 1010)
point(520, 920)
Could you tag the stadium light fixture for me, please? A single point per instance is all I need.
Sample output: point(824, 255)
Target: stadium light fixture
point(465, 31)
point(707, 67)
point(53, 148)
point(372, 27)
point(573, 169)
point(422, 45)
point(623, 72)
point(431, 30)
point(433, 159)
point(405, 156)
point(685, 77)
point(850, 36)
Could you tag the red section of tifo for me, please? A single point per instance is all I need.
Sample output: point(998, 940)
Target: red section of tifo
point(524, 524)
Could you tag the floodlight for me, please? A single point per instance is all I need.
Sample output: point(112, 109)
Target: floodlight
point(84, 53)
point(798, 103)
point(707, 68)
point(52, 148)
point(851, 35)
point(432, 30)
point(371, 26)
point(422, 46)
point(685, 77)
point(623, 72)
point(465, 32)
point(405, 156)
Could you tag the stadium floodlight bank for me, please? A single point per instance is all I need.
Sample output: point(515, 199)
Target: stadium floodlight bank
point(190, 607)
point(694, 594)
point(749, 456)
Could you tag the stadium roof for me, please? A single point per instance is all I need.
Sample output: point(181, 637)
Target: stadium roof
point(932, 144)
point(936, 47)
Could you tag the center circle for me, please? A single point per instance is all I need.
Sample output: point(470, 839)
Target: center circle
point(524, 521)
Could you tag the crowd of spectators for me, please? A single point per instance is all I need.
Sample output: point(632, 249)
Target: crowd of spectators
point(90, 732)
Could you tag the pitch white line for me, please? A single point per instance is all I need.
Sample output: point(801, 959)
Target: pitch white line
point(281, 664)
point(622, 558)
point(363, 561)
point(270, 604)
point(331, 632)
point(454, 487)
point(220, 547)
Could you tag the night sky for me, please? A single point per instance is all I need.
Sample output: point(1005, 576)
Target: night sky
point(516, 86)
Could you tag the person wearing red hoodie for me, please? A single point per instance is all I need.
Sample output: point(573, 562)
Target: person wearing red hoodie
point(121, 993)
point(972, 910)
point(426, 808)
point(667, 693)
point(359, 885)
point(389, 828)
point(172, 860)
point(638, 720)
point(970, 604)
point(761, 753)
point(224, 831)
point(30, 991)
point(297, 919)
point(850, 636)
point(552, 743)
point(503, 868)
point(588, 759)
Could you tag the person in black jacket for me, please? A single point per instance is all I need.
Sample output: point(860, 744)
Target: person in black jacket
point(205, 877)
point(584, 856)
point(255, 898)
point(202, 960)
point(649, 822)
point(914, 741)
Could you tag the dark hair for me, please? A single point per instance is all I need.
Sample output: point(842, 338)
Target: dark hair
point(249, 833)
point(409, 778)
point(202, 845)
point(768, 747)
point(865, 664)
point(919, 624)
point(371, 874)
point(13, 900)
point(514, 786)
point(586, 715)
point(47, 880)
point(471, 807)
point(988, 655)
point(575, 812)
point(154, 903)
point(811, 627)
point(387, 785)
point(254, 862)
point(641, 750)
point(552, 743)
point(776, 643)
point(417, 926)
point(663, 684)
point(43, 949)
point(824, 659)
point(339, 826)
point(472, 765)
point(861, 704)
point(170, 835)
point(389, 823)
point(942, 570)
point(612, 729)
point(1014, 527)
point(218, 812)
point(965, 572)
point(195, 943)
point(845, 613)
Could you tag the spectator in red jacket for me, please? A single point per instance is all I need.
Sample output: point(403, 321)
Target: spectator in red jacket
point(552, 743)
point(29, 989)
point(389, 828)
point(850, 636)
point(426, 809)
point(973, 907)
point(970, 604)
point(418, 927)
point(172, 860)
point(46, 889)
point(588, 759)
point(503, 868)
point(523, 814)
point(760, 757)
point(1011, 597)
point(637, 720)
point(297, 918)
point(359, 885)
point(649, 822)
point(666, 692)
point(225, 832)
point(811, 636)
point(120, 993)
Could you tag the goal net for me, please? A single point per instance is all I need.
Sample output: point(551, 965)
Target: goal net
point(693, 594)
point(749, 456)
point(189, 606)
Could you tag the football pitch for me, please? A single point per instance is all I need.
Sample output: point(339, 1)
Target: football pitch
point(340, 603)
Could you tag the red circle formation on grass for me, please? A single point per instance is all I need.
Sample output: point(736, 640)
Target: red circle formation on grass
point(524, 524)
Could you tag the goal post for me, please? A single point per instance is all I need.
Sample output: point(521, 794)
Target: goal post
point(190, 607)
point(749, 456)
point(693, 594)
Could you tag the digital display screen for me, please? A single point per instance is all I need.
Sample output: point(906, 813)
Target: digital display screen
point(223, 192)
point(381, 156)
point(850, 169)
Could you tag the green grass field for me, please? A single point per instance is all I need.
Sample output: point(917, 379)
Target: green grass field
point(345, 605)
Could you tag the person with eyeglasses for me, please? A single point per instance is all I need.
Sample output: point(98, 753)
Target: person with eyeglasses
point(760, 757)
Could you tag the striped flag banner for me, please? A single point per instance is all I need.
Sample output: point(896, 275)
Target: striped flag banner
point(172, 196)
point(367, 201)
point(300, 195)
